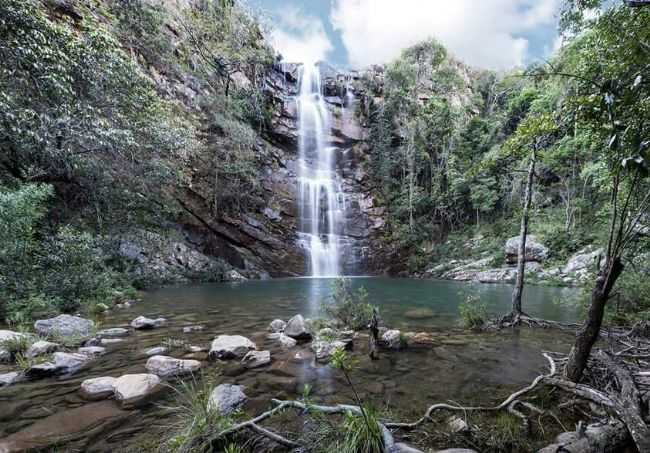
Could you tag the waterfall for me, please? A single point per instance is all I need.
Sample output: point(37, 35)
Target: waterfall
point(320, 198)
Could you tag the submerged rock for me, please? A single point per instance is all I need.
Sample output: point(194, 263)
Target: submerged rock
point(230, 347)
point(169, 366)
point(255, 359)
point(190, 329)
point(419, 313)
point(65, 325)
point(62, 363)
point(92, 351)
point(277, 325)
point(226, 398)
point(142, 322)
point(135, 389)
point(297, 328)
point(404, 448)
point(115, 332)
point(97, 388)
point(41, 347)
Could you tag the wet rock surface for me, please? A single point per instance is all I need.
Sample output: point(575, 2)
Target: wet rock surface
point(61, 363)
point(256, 359)
point(142, 322)
point(97, 388)
point(135, 389)
point(297, 329)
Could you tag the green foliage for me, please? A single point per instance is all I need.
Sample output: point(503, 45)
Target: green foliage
point(17, 345)
point(194, 416)
point(348, 307)
point(362, 434)
point(473, 313)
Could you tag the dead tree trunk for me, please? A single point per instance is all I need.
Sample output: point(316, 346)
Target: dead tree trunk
point(588, 333)
point(374, 335)
point(521, 252)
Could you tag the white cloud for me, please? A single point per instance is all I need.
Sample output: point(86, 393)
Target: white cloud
point(484, 33)
point(300, 38)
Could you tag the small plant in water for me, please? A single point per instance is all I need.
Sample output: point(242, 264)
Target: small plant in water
point(473, 312)
point(350, 308)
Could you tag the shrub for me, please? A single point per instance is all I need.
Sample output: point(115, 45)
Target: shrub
point(350, 308)
point(473, 313)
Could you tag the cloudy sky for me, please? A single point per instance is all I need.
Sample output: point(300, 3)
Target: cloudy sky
point(495, 34)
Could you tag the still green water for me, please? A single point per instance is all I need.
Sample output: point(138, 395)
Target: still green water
point(401, 301)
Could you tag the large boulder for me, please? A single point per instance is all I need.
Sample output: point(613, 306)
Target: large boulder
point(135, 389)
point(226, 398)
point(142, 323)
point(97, 388)
point(169, 366)
point(230, 347)
point(297, 328)
point(62, 363)
point(65, 325)
point(535, 250)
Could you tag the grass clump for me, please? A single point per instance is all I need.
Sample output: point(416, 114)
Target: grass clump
point(473, 313)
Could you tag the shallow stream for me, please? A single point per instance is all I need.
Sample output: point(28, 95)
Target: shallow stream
point(459, 366)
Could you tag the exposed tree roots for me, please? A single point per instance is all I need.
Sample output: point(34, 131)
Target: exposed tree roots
point(515, 319)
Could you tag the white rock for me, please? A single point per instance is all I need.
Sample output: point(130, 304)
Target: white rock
point(11, 378)
point(110, 341)
point(287, 342)
point(170, 366)
point(584, 260)
point(277, 325)
point(324, 349)
point(158, 350)
point(230, 346)
point(535, 250)
point(457, 424)
point(297, 328)
point(132, 389)
point(392, 339)
point(255, 359)
point(226, 398)
point(142, 322)
point(234, 276)
point(97, 388)
point(41, 347)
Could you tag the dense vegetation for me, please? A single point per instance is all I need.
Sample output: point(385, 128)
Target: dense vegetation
point(95, 141)
point(451, 147)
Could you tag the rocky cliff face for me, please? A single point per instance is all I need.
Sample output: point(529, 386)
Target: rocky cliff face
point(263, 241)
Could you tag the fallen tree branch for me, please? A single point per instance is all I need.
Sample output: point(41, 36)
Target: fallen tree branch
point(504, 405)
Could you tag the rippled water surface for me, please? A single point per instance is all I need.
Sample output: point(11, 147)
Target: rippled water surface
point(460, 365)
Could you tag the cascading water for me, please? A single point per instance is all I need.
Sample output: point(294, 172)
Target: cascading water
point(320, 197)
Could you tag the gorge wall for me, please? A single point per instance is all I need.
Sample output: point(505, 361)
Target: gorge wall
point(263, 241)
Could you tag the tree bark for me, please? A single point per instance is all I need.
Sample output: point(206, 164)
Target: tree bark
point(521, 252)
point(588, 333)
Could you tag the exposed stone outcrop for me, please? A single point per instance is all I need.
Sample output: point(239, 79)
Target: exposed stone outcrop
point(535, 250)
point(230, 347)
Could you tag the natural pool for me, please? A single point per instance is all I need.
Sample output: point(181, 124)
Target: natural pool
point(460, 365)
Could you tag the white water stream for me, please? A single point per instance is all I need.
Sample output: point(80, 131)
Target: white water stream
point(321, 201)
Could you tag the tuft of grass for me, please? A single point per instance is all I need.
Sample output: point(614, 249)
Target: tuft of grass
point(193, 418)
point(17, 345)
point(362, 434)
